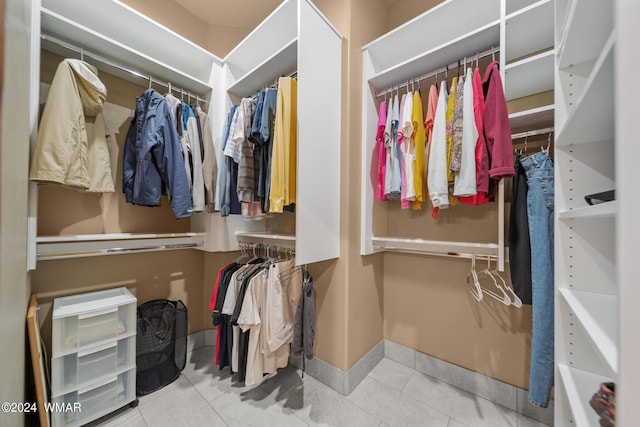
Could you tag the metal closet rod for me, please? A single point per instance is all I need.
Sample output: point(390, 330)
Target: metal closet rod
point(82, 52)
point(440, 70)
point(542, 131)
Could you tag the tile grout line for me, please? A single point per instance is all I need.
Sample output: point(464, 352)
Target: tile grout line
point(207, 401)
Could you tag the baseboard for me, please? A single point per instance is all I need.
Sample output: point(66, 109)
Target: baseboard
point(498, 392)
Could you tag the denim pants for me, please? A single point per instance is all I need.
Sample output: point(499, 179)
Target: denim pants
point(539, 170)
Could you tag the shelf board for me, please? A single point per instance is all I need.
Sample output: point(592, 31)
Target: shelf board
point(418, 35)
point(76, 246)
point(125, 25)
point(586, 31)
point(467, 45)
point(103, 52)
point(267, 238)
point(283, 62)
point(595, 313)
point(529, 30)
point(513, 6)
point(529, 76)
point(592, 117)
point(534, 118)
point(601, 210)
point(580, 386)
point(434, 247)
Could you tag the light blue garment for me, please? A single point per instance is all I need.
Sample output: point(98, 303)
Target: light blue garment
point(396, 153)
point(539, 170)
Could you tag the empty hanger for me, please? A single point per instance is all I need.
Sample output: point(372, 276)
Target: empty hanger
point(472, 280)
point(486, 273)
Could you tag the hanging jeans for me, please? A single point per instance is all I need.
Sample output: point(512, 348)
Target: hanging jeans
point(539, 170)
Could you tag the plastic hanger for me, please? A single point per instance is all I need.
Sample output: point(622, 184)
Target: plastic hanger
point(150, 81)
point(515, 299)
point(473, 285)
point(486, 273)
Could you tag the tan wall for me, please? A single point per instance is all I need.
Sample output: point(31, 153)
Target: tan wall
point(401, 11)
point(14, 157)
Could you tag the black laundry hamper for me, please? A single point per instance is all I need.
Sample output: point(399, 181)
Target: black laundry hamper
point(161, 344)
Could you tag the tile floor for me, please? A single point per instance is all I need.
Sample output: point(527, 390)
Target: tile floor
point(391, 395)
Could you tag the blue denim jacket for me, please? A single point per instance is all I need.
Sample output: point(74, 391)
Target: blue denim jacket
point(152, 157)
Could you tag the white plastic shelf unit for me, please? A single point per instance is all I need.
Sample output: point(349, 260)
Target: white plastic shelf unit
point(114, 44)
point(586, 272)
point(93, 359)
point(529, 55)
point(296, 37)
point(395, 58)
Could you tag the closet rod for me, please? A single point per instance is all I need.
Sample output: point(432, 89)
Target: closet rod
point(115, 251)
point(83, 52)
point(441, 254)
point(532, 133)
point(441, 70)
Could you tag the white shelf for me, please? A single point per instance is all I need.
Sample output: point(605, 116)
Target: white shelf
point(529, 30)
point(61, 28)
point(580, 386)
point(277, 30)
point(418, 35)
point(601, 210)
point(76, 246)
point(529, 76)
point(266, 238)
point(434, 247)
point(125, 26)
point(465, 45)
point(513, 6)
point(592, 117)
point(588, 25)
point(595, 313)
point(282, 63)
point(534, 118)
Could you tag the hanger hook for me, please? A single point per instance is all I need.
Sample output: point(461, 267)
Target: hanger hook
point(150, 81)
point(82, 54)
point(493, 53)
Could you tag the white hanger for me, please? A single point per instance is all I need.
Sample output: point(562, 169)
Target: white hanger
point(472, 280)
point(504, 298)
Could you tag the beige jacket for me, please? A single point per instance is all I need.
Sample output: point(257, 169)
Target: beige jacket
point(72, 147)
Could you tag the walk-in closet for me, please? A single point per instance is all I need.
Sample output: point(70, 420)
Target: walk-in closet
point(316, 212)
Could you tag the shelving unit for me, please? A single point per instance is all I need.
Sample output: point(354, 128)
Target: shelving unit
point(288, 41)
point(93, 359)
point(586, 274)
point(528, 76)
point(114, 45)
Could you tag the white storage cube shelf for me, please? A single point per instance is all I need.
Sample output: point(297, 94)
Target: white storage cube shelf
point(93, 354)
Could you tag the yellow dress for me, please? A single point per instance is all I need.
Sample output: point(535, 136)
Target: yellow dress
point(420, 140)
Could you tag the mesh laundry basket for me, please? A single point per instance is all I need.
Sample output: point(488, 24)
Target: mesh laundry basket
point(161, 344)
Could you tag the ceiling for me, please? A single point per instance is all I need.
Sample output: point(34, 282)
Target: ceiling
point(231, 13)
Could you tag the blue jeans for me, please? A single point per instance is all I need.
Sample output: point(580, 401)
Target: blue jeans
point(539, 170)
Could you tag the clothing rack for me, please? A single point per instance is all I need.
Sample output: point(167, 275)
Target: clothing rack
point(149, 78)
point(441, 70)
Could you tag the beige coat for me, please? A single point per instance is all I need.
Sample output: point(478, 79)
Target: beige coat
point(72, 147)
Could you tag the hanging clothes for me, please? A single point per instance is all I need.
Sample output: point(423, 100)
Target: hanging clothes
point(519, 243)
point(465, 180)
point(230, 153)
point(402, 143)
point(388, 144)
point(450, 116)
point(409, 152)
point(209, 164)
point(283, 167)
point(428, 123)
point(305, 319)
point(381, 152)
point(152, 157)
point(221, 184)
point(437, 171)
point(458, 124)
point(176, 116)
point(419, 146)
point(396, 153)
point(481, 154)
point(71, 147)
point(266, 132)
point(193, 143)
point(497, 129)
point(247, 184)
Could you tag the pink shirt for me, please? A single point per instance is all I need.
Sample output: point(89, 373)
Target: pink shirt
point(382, 152)
point(428, 123)
point(482, 158)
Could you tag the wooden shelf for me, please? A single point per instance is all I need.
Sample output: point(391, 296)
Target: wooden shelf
point(601, 210)
point(592, 117)
point(594, 311)
point(529, 76)
point(77, 246)
point(283, 62)
point(109, 50)
point(580, 386)
point(534, 118)
point(529, 30)
point(587, 29)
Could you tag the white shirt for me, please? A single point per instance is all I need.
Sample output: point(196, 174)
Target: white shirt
point(465, 183)
point(437, 172)
point(409, 148)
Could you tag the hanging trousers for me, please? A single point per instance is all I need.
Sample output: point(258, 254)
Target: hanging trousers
point(540, 205)
point(519, 243)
